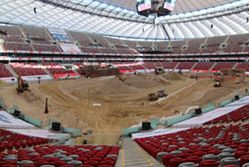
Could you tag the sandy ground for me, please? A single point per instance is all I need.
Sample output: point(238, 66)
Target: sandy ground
point(123, 103)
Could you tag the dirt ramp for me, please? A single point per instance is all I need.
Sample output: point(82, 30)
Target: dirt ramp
point(173, 76)
point(146, 81)
point(114, 86)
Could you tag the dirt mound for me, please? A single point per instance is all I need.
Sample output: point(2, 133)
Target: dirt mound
point(114, 86)
point(146, 81)
point(173, 76)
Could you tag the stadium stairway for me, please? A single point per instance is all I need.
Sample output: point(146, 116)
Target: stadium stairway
point(10, 69)
point(177, 65)
point(132, 155)
point(49, 73)
point(235, 65)
point(193, 66)
point(212, 67)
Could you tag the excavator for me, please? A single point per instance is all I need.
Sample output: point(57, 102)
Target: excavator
point(22, 85)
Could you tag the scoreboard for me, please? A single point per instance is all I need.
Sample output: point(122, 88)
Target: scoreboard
point(158, 7)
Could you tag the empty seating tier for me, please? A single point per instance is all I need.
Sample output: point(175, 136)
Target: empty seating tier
point(203, 66)
point(10, 140)
point(235, 43)
point(205, 146)
point(186, 65)
point(240, 114)
point(213, 44)
point(21, 70)
point(27, 38)
point(169, 65)
point(4, 73)
point(223, 65)
point(61, 156)
point(243, 66)
point(37, 35)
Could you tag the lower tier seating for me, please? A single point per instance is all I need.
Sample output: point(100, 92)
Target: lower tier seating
point(61, 156)
point(203, 66)
point(4, 73)
point(23, 71)
point(205, 146)
point(10, 140)
point(240, 114)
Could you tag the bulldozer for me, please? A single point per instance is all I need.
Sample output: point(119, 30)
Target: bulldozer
point(156, 96)
point(21, 85)
point(161, 94)
point(217, 83)
point(153, 97)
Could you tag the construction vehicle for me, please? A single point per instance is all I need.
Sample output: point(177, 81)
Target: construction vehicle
point(22, 85)
point(161, 94)
point(153, 97)
point(156, 96)
point(217, 83)
point(159, 70)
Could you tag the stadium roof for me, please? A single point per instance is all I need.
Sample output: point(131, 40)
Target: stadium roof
point(117, 17)
point(182, 6)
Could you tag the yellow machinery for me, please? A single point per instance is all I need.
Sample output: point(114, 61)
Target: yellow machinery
point(21, 85)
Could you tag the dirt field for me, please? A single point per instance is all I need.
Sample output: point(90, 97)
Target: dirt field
point(106, 106)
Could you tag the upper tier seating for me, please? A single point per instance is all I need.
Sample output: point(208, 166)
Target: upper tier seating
point(115, 42)
point(235, 43)
point(10, 140)
point(144, 45)
point(176, 47)
point(46, 48)
point(161, 46)
point(27, 38)
point(131, 44)
point(37, 35)
point(240, 114)
point(61, 156)
point(18, 46)
point(203, 146)
point(99, 40)
point(4, 73)
point(212, 45)
point(81, 38)
point(194, 46)
point(14, 34)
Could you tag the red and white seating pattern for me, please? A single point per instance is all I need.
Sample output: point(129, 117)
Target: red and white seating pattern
point(61, 156)
point(203, 66)
point(4, 73)
point(23, 71)
point(195, 145)
point(240, 114)
point(10, 140)
point(38, 39)
point(223, 65)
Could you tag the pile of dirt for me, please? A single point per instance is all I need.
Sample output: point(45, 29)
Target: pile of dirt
point(146, 81)
point(114, 86)
point(173, 76)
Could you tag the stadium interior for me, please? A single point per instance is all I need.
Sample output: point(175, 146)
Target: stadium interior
point(124, 83)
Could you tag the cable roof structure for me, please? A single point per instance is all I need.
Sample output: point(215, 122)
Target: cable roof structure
point(118, 18)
